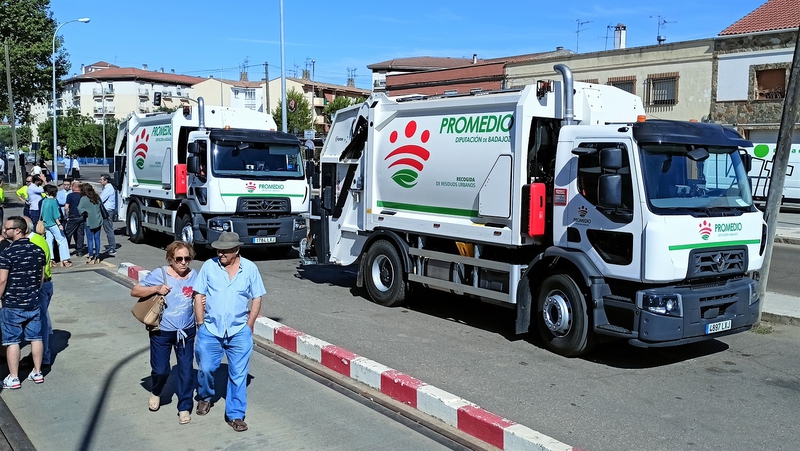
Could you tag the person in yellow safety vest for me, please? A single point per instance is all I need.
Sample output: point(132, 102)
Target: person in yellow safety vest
point(22, 194)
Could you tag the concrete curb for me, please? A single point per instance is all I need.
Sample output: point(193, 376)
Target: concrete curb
point(787, 240)
point(451, 409)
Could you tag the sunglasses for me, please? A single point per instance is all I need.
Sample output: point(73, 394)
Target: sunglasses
point(182, 259)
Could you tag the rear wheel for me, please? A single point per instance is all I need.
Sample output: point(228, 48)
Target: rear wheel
point(383, 275)
point(134, 224)
point(562, 317)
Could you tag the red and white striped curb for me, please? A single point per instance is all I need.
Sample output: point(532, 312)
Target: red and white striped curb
point(453, 410)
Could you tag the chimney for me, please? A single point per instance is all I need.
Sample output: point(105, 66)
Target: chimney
point(474, 58)
point(172, 71)
point(144, 66)
point(620, 36)
point(559, 48)
point(162, 70)
point(83, 69)
point(242, 76)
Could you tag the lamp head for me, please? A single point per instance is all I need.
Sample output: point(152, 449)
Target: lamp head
point(84, 20)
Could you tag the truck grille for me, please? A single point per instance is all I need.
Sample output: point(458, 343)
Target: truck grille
point(708, 263)
point(260, 205)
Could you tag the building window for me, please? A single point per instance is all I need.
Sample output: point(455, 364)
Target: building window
point(250, 94)
point(661, 89)
point(770, 84)
point(627, 84)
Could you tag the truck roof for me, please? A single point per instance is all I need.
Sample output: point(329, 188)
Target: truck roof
point(680, 132)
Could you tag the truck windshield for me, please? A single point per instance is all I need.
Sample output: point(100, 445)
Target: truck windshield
point(675, 181)
point(254, 160)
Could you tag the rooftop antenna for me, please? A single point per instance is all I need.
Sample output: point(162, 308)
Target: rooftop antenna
point(661, 23)
point(578, 32)
point(608, 28)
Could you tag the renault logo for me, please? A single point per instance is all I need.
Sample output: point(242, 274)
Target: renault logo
point(720, 261)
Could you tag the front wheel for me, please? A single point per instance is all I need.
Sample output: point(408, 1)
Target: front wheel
point(134, 224)
point(184, 231)
point(383, 275)
point(562, 317)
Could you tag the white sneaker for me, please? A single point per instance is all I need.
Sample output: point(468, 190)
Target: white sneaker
point(37, 378)
point(11, 383)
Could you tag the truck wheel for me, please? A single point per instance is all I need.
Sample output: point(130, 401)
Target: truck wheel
point(562, 317)
point(383, 275)
point(184, 230)
point(134, 224)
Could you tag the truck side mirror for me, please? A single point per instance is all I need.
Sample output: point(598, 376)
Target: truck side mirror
point(609, 190)
point(747, 160)
point(193, 148)
point(611, 159)
point(193, 164)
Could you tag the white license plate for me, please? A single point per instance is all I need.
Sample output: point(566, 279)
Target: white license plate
point(271, 239)
point(718, 327)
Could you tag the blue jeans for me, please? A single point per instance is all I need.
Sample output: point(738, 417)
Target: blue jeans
point(55, 234)
point(34, 215)
point(161, 343)
point(16, 321)
point(93, 240)
point(208, 351)
point(45, 295)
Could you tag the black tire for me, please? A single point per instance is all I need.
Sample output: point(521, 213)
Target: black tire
point(183, 229)
point(133, 224)
point(562, 318)
point(383, 275)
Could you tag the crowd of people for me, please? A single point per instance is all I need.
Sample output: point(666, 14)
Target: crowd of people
point(207, 314)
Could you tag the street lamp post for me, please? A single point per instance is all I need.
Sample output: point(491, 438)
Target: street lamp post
point(55, 112)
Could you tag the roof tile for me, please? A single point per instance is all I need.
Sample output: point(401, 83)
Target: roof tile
point(772, 15)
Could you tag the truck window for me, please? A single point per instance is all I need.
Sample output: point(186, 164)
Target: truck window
point(256, 160)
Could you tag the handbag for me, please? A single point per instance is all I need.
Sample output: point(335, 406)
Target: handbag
point(148, 310)
point(40, 228)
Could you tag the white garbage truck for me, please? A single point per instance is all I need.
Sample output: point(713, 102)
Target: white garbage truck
point(201, 171)
point(559, 200)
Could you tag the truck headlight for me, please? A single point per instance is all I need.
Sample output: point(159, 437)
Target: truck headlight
point(753, 287)
point(220, 225)
point(299, 223)
point(661, 304)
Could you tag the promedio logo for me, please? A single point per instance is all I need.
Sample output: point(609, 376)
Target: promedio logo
point(140, 148)
point(410, 156)
point(705, 230)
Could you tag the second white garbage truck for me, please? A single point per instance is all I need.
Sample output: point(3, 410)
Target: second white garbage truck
point(199, 171)
point(557, 200)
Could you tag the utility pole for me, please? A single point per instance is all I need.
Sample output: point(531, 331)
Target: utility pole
point(17, 167)
point(284, 120)
point(779, 164)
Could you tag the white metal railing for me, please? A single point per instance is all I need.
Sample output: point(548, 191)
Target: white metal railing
point(166, 93)
point(103, 91)
point(104, 110)
point(144, 92)
point(144, 108)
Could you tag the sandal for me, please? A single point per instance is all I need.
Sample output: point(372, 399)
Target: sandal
point(66, 264)
point(238, 425)
point(155, 403)
point(184, 417)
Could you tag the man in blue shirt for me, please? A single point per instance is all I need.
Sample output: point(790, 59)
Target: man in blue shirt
point(225, 285)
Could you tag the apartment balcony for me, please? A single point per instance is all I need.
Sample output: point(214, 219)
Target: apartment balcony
point(76, 92)
point(144, 108)
point(103, 92)
point(320, 101)
point(182, 94)
point(319, 120)
point(167, 94)
point(103, 110)
point(144, 92)
point(250, 105)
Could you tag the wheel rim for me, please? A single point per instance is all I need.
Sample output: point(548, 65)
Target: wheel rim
point(557, 313)
point(133, 223)
point(187, 234)
point(382, 273)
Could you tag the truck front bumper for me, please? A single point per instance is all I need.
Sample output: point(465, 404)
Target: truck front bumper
point(259, 232)
point(706, 312)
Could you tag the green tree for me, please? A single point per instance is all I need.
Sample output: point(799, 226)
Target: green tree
point(24, 136)
point(335, 105)
point(28, 26)
point(298, 120)
point(81, 135)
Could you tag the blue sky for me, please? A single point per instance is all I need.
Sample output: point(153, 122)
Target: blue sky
point(204, 38)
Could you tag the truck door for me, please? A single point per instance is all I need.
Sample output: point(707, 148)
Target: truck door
point(610, 236)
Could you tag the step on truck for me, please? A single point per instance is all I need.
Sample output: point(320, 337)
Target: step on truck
point(201, 171)
point(558, 200)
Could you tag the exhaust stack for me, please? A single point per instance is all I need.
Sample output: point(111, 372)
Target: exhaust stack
point(569, 94)
point(201, 112)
